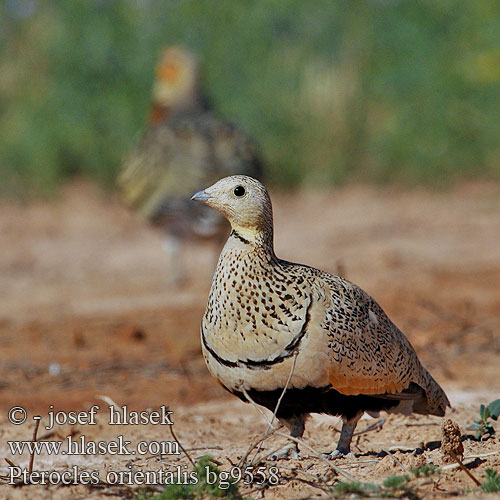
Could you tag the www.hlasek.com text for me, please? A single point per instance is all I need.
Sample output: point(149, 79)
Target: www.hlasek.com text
point(83, 446)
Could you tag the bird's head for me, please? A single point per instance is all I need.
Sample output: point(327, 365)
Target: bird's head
point(245, 203)
point(177, 79)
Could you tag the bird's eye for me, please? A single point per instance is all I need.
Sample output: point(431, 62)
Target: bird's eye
point(239, 191)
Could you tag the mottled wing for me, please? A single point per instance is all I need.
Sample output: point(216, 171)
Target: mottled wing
point(369, 354)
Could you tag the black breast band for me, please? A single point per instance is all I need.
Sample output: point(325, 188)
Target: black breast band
point(262, 364)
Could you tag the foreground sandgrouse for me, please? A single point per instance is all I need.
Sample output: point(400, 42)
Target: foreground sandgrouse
point(264, 314)
point(184, 146)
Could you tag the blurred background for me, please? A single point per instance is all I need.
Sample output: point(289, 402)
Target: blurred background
point(360, 109)
point(379, 91)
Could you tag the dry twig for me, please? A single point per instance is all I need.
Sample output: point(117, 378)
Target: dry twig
point(6, 477)
point(171, 427)
point(35, 432)
point(376, 425)
point(256, 442)
point(270, 425)
point(462, 466)
point(317, 481)
point(292, 369)
point(270, 428)
point(259, 409)
point(336, 469)
point(107, 400)
point(11, 463)
point(396, 460)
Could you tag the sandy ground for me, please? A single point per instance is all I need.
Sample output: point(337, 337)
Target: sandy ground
point(87, 311)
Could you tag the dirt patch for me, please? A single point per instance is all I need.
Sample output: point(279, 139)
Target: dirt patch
point(86, 311)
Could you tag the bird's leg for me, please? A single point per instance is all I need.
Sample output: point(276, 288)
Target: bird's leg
point(296, 426)
point(172, 246)
point(344, 444)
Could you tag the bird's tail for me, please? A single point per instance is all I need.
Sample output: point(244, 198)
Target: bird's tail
point(436, 399)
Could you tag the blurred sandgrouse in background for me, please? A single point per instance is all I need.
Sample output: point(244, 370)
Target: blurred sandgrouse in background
point(272, 324)
point(184, 146)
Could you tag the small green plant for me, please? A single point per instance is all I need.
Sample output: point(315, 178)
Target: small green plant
point(492, 483)
point(398, 486)
point(482, 425)
point(217, 487)
point(361, 489)
point(425, 470)
point(396, 482)
point(393, 487)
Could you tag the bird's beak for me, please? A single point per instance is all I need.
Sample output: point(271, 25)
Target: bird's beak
point(202, 196)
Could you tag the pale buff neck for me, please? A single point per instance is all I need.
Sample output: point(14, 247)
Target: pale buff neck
point(256, 241)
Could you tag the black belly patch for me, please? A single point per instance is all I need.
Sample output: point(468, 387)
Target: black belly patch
point(317, 400)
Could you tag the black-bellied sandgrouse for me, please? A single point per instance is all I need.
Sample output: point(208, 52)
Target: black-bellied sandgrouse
point(264, 314)
point(184, 146)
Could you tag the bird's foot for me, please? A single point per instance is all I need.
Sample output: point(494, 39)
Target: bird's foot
point(289, 451)
point(338, 454)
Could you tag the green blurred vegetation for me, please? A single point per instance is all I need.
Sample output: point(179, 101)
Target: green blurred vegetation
point(374, 90)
